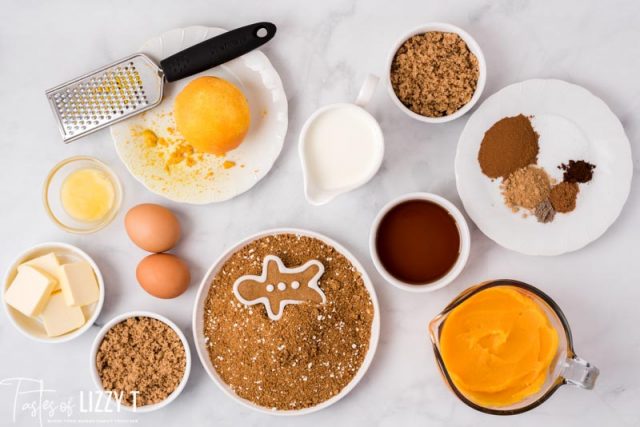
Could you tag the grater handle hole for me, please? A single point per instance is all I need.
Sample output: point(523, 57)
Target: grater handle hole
point(262, 32)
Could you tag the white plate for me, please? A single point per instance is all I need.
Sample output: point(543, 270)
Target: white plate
point(573, 124)
point(209, 181)
point(198, 322)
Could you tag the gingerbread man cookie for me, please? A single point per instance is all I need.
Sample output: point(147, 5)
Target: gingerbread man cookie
point(279, 286)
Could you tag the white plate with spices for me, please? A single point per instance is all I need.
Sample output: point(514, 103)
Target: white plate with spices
point(201, 340)
point(572, 124)
point(168, 169)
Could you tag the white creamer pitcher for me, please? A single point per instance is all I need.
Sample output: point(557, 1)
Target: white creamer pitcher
point(341, 147)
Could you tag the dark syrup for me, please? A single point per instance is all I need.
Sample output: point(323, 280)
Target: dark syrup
point(418, 242)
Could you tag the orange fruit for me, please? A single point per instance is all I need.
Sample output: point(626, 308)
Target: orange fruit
point(212, 114)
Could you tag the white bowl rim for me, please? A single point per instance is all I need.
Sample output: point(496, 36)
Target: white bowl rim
point(375, 324)
point(474, 47)
point(141, 313)
point(465, 243)
point(302, 142)
point(52, 246)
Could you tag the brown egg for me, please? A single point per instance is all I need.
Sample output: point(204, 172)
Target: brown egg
point(163, 275)
point(153, 228)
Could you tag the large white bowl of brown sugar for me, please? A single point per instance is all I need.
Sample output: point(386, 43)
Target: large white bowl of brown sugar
point(286, 322)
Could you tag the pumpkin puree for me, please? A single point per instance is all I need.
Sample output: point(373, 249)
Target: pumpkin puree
point(498, 346)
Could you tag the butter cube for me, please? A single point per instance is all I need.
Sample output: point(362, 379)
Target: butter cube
point(47, 264)
point(59, 318)
point(78, 283)
point(29, 291)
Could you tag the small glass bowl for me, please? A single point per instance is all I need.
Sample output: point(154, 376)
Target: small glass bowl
point(53, 202)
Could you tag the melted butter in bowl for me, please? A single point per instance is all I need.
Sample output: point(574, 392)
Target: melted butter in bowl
point(82, 195)
point(87, 194)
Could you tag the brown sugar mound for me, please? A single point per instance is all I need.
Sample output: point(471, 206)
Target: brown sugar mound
point(312, 352)
point(563, 196)
point(526, 188)
point(510, 144)
point(143, 355)
point(434, 74)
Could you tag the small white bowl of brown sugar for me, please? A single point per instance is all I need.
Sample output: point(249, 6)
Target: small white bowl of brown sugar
point(141, 361)
point(436, 73)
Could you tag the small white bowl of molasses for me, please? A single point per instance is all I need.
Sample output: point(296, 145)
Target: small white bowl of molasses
point(419, 242)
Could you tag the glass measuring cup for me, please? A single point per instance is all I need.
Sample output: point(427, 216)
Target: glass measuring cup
point(566, 367)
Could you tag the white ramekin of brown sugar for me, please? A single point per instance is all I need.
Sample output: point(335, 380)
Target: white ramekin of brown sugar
point(473, 48)
point(162, 364)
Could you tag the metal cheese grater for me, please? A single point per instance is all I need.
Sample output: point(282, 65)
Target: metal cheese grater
point(135, 84)
point(106, 96)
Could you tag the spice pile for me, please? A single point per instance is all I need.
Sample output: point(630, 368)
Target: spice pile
point(510, 144)
point(307, 356)
point(526, 188)
point(434, 74)
point(577, 171)
point(141, 358)
point(509, 150)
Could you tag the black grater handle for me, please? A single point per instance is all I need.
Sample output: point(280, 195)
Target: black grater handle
point(217, 50)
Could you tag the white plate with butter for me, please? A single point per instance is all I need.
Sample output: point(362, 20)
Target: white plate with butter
point(58, 316)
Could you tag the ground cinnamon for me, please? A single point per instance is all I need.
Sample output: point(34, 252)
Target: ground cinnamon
point(510, 144)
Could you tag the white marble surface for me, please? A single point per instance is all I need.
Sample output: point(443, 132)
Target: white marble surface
point(323, 51)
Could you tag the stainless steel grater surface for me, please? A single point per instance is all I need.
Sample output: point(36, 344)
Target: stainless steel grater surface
point(135, 83)
point(105, 96)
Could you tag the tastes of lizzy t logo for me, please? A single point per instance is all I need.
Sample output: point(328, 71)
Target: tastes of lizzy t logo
point(30, 399)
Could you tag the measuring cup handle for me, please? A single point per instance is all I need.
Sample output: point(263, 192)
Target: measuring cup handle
point(580, 373)
point(367, 90)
